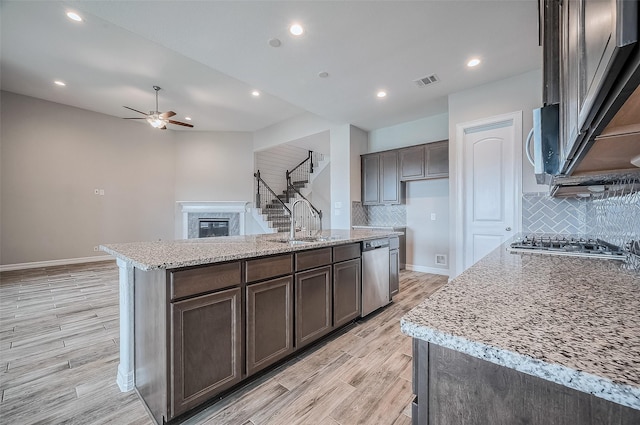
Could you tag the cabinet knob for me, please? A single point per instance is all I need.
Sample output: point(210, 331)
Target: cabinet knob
point(508, 229)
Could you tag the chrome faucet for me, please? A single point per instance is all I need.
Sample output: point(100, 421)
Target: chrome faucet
point(292, 232)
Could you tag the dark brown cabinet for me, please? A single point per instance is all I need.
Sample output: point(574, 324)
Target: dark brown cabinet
point(428, 161)
point(313, 305)
point(412, 163)
point(595, 39)
point(380, 178)
point(394, 272)
point(269, 322)
point(206, 335)
point(346, 291)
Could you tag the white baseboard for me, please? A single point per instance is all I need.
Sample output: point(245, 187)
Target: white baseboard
point(51, 263)
point(423, 269)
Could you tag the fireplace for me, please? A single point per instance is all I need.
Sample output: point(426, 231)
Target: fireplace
point(212, 227)
point(202, 219)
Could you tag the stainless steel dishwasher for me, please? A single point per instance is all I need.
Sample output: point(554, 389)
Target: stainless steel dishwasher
point(375, 275)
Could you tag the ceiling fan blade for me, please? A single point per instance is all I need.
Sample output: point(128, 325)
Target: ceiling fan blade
point(167, 114)
point(134, 118)
point(164, 127)
point(140, 112)
point(184, 124)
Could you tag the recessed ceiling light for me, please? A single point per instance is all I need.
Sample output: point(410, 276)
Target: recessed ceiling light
point(255, 93)
point(473, 62)
point(59, 83)
point(74, 16)
point(274, 42)
point(381, 94)
point(323, 74)
point(296, 29)
point(187, 118)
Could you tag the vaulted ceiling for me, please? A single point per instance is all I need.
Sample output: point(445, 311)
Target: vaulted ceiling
point(209, 56)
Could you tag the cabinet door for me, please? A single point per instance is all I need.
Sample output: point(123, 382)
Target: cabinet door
point(437, 160)
point(269, 322)
point(313, 305)
point(371, 179)
point(412, 163)
point(572, 85)
point(346, 291)
point(205, 348)
point(389, 178)
point(394, 272)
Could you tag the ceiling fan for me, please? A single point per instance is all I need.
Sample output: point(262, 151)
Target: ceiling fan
point(156, 118)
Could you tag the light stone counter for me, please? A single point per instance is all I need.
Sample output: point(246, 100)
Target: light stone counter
point(192, 252)
point(569, 320)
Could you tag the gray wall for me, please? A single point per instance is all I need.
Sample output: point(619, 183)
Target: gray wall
point(53, 157)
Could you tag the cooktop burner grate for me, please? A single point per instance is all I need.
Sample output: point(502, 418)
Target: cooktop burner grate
point(564, 245)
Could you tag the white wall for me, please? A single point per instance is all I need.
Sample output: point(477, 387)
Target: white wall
point(54, 156)
point(212, 166)
point(298, 127)
point(424, 130)
point(519, 93)
point(275, 161)
point(426, 237)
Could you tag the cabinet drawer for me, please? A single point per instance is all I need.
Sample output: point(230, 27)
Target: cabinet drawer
point(394, 242)
point(313, 258)
point(185, 283)
point(346, 252)
point(265, 268)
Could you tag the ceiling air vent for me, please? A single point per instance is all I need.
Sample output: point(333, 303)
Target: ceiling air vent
point(429, 79)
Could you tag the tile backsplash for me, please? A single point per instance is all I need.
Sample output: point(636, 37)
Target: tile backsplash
point(614, 217)
point(378, 215)
point(544, 214)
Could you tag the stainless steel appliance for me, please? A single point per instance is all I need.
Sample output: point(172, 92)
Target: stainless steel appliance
point(375, 275)
point(566, 245)
point(546, 144)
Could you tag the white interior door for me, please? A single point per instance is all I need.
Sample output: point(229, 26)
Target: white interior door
point(490, 185)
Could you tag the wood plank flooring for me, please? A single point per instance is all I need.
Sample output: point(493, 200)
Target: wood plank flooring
point(59, 357)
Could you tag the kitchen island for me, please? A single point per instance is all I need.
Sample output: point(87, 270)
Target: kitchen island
point(201, 315)
point(529, 339)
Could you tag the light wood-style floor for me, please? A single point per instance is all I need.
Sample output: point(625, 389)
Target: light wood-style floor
point(59, 356)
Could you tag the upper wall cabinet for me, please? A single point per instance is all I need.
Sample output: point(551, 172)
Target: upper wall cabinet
point(596, 41)
point(383, 172)
point(428, 161)
point(380, 182)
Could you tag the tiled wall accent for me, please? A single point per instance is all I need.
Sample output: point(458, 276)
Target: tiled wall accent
point(544, 214)
point(234, 222)
point(358, 214)
point(386, 215)
point(615, 218)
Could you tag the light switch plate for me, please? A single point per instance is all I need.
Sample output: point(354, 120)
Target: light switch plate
point(338, 205)
point(433, 216)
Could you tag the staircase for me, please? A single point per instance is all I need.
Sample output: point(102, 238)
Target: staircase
point(276, 208)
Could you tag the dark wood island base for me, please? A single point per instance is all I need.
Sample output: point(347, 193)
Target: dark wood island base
point(453, 388)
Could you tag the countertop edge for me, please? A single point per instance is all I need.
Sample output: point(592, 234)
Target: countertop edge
point(276, 248)
point(582, 381)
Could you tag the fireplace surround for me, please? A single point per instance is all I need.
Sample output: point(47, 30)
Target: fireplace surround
point(193, 212)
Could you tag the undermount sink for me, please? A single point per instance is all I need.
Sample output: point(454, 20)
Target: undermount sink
point(307, 239)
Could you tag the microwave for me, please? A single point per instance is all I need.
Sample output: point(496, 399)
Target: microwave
point(544, 140)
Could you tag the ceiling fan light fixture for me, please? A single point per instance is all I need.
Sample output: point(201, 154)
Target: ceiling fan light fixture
point(156, 121)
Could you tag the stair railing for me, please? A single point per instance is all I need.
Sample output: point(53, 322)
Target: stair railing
point(302, 171)
point(265, 195)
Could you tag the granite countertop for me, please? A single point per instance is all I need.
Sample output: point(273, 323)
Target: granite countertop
point(193, 252)
point(569, 320)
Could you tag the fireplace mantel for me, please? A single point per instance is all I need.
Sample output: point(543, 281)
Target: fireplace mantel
point(218, 207)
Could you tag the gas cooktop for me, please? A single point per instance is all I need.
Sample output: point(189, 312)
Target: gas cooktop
point(567, 245)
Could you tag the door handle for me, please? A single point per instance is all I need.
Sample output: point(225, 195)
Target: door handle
point(508, 229)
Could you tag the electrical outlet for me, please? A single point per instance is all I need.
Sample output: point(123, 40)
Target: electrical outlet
point(441, 259)
point(337, 212)
point(433, 216)
point(96, 248)
point(101, 192)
